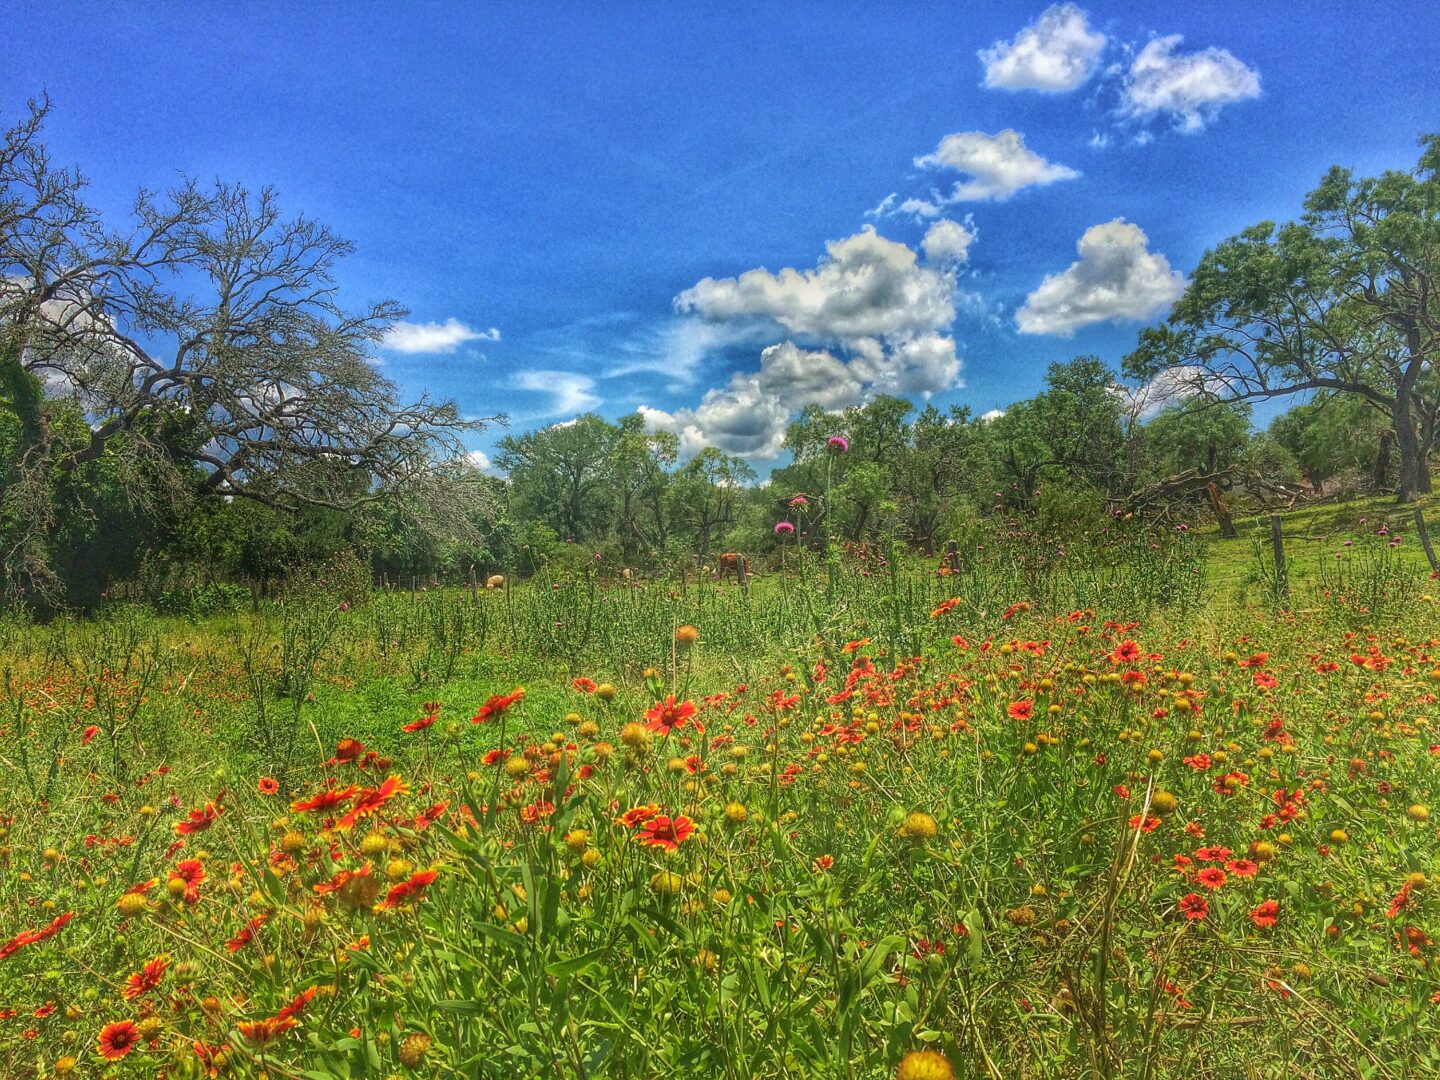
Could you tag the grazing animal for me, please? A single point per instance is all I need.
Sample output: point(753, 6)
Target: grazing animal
point(495, 581)
point(732, 562)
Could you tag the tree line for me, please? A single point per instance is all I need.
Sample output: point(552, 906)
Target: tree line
point(185, 396)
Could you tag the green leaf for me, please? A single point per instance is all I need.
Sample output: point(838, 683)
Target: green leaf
point(575, 964)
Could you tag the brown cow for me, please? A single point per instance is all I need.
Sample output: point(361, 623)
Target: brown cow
point(732, 562)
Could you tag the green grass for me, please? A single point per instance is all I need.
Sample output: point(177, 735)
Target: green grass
point(911, 843)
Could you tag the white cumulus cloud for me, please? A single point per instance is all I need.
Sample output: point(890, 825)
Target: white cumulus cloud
point(435, 337)
point(1057, 52)
point(868, 286)
point(997, 165)
point(1117, 277)
point(1190, 88)
point(948, 241)
point(885, 313)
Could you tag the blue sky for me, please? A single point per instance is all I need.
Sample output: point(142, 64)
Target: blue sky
point(566, 196)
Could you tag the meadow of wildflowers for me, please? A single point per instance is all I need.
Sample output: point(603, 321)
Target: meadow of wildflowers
point(893, 819)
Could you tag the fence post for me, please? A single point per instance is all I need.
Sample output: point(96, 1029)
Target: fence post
point(1277, 542)
point(1425, 540)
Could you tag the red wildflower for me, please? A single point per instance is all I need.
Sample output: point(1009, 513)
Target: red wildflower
point(1402, 899)
point(192, 873)
point(1021, 710)
point(298, 1003)
point(636, 815)
point(268, 785)
point(665, 716)
point(948, 605)
point(428, 817)
point(118, 1039)
point(497, 705)
point(325, 800)
point(247, 934)
point(1194, 907)
point(1127, 652)
point(340, 880)
point(259, 1032)
point(1212, 877)
point(1242, 868)
point(34, 937)
point(146, 979)
point(410, 890)
point(371, 800)
point(198, 820)
point(88, 734)
point(347, 750)
point(664, 832)
point(430, 711)
point(1265, 913)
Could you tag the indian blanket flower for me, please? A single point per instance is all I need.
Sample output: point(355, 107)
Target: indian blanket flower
point(1212, 877)
point(665, 716)
point(34, 937)
point(421, 724)
point(409, 891)
point(117, 1039)
point(347, 751)
point(146, 979)
point(497, 705)
point(246, 934)
point(298, 1002)
point(197, 821)
point(1265, 913)
point(325, 800)
point(637, 815)
point(260, 1032)
point(665, 832)
point(267, 785)
point(1021, 710)
point(187, 877)
point(370, 800)
point(1194, 906)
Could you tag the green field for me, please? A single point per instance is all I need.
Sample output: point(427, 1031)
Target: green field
point(1126, 816)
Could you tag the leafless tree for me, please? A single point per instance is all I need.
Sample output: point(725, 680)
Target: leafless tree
point(207, 350)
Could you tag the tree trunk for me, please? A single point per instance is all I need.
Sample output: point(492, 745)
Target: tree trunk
point(1414, 478)
point(1381, 468)
point(1414, 471)
point(1222, 512)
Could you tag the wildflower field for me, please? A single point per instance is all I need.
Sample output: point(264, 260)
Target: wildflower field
point(1014, 814)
